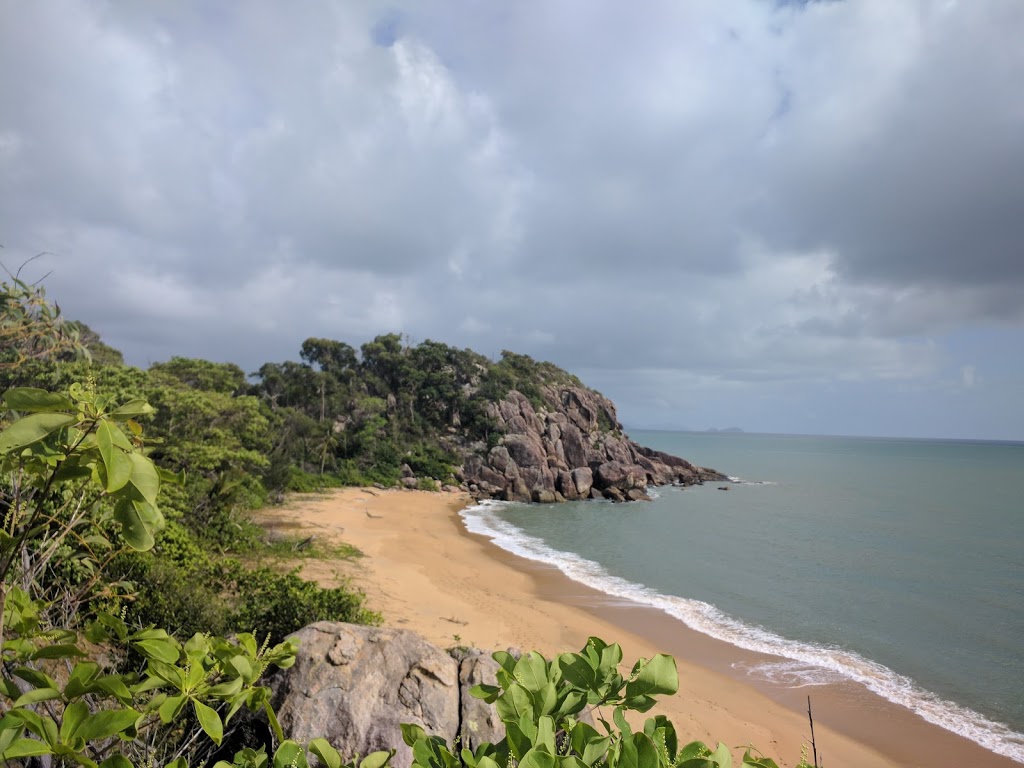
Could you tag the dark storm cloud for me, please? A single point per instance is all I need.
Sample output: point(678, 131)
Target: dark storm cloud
point(736, 191)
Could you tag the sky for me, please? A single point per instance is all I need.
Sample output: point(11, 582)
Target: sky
point(802, 217)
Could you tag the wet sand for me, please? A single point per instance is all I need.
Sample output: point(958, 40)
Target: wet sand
point(423, 571)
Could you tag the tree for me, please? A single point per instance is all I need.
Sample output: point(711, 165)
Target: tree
point(32, 328)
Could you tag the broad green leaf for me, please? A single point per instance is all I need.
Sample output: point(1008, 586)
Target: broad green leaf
point(618, 715)
point(243, 667)
point(74, 715)
point(722, 756)
point(411, 733)
point(486, 692)
point(595, 749)
point(538, 757)
point(375, 760)
point(531, 671)
point(209, 721)
point(171, 707)
point(59, 651)
point(163, 649)
point(518, 742)
point(135, 531)
point(329, 756)
point(35, 400)
point(505, 660)
point(145, 477)
point(577, 670)
point(515, 703)
point(758, 761)
point(227, 688)
point(104, 724)
point(117, 761)
point(32, 429)
point(545, 699)
point(25, 748)
point(646, 751)
point(115, 460)
point(573, 702)
point(290, 755)
point(657, 676)
point(132, 409)
point(35, 677)
point(36, 695)
point(693, 750)
point(546, 733)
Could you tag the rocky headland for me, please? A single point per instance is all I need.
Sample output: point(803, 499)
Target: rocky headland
point(564, 445)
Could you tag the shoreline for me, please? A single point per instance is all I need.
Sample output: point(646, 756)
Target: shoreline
point(424, 571)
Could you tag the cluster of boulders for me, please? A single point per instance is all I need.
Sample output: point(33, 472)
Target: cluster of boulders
point(570, 446)
point(356, 685)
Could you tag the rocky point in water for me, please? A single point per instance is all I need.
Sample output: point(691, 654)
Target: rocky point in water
point(567, 444)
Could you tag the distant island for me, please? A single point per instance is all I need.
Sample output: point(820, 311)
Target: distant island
point(726, 429)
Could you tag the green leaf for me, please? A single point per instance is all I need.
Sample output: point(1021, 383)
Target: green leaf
point(115, 460)
point(515, 703)
point(531, 671)
point(37, 695)
point(145, 477)
point(505, 660)
point(134, 529)
point(486, 692)
point(329, 756)
point(25, 748)
point(411, 733)
point(243, 667)
point(375, 760)
point(646, 751)
point(209, 721)
point(171, 707)
point(577, 670)
point(537, 758)
point(36, 400)
point(518, 742)
point(104, 724)
point(290, 755)
point(722, 756)
point(657, 676)
point(32, 429)
point(74, 715)
point(59, 651)
point(275, 726)
point(595, 749)
point(117, 761)
point(546, 734)
point(132, 409)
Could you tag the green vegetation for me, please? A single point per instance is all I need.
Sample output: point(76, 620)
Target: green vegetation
point(135, 625)
point(549, 707)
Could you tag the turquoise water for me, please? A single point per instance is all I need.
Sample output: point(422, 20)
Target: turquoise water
point(896, 563)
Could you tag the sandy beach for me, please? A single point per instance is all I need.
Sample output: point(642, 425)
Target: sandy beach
point(423, 571)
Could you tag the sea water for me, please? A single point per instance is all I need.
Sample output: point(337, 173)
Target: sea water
point(895, 563)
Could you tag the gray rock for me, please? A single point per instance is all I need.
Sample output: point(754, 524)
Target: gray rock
point(583, 478)
point(480, 722)
point(355, 685)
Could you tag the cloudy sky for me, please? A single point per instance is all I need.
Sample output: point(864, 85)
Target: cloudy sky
point(784, 216)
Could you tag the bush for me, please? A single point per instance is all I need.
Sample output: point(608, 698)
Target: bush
point(278, 604)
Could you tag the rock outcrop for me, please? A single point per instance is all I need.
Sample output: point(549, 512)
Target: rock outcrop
point(568, 444)
point(355, 685)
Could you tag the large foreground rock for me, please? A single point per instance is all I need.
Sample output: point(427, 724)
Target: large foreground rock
point(356, 685)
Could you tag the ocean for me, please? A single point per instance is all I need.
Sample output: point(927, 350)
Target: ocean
point(895, 563)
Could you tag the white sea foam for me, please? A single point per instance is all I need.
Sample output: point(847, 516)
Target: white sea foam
point(741, 481)
point(806, 663)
